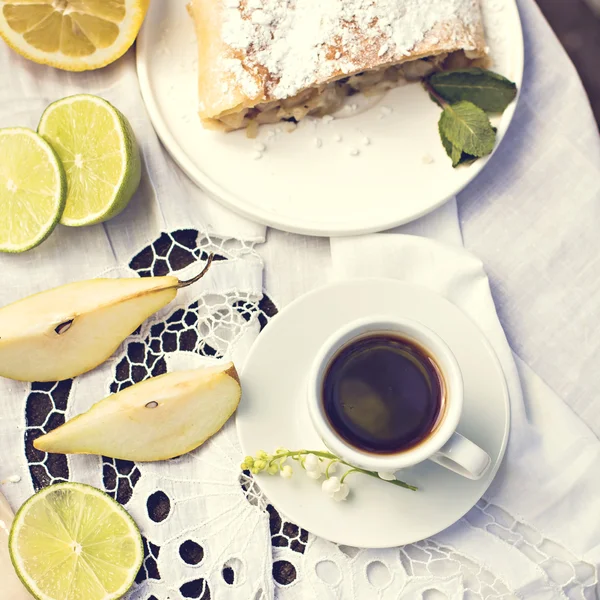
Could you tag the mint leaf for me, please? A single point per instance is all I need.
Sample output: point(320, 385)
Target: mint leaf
point(468, 128)
point(486, 89)
point(458, 157)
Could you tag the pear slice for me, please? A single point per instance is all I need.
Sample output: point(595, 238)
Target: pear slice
point(69, 330)
point(156, 419)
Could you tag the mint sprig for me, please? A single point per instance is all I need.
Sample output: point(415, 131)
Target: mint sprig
point(488, 90)
point(465, 95)
point(468, 128)
point(458, 157)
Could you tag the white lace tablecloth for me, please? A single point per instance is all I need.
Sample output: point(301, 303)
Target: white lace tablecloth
point(531, 217)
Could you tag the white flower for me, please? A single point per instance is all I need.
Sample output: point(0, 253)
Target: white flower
point(286, 471)
point(342, 493)
point(315, 474)
point(311, 462)
point(387, 476)
point(335, 489)
point(331, 486)
point(313, 466)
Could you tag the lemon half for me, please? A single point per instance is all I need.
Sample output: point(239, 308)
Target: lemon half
point(76, 35)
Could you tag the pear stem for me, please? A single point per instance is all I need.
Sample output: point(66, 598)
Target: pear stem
point(183, 284)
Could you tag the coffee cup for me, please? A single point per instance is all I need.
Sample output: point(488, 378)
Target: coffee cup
point(386, 393)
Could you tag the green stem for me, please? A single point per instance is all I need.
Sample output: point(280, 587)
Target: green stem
point(331, 462)
point(296, 454)
point(353, 470)
point(428, 87)
point(396, 482)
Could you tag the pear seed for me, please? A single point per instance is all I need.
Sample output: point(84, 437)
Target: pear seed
point(63, 327)
point(152, 404)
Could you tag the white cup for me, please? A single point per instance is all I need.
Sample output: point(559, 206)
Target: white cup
point(443, 445)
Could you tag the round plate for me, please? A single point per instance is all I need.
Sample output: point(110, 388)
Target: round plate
point(273, 413)
point(297, 186)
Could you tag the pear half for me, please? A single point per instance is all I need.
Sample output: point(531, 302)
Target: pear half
point(69, 330)
point(156, 419)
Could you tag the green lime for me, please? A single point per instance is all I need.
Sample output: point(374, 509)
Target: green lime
point(33, 189)
point(73, 542)
point(97, 147)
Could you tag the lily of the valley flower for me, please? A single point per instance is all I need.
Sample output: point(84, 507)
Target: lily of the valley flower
point(313, 466)
point(335, 488)
point(316, 464)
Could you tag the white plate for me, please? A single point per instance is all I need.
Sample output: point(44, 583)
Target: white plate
point(296, 186)
point(273, 413)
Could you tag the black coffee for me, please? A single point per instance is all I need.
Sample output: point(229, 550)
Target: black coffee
point(383, 393)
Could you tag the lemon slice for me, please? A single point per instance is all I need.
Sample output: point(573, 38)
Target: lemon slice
point(100, 155)
point(76, 35)
point(73, 542)
point(33, 189)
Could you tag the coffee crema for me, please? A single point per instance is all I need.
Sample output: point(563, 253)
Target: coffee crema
point(383, 393)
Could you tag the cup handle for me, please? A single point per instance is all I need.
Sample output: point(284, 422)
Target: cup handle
point(463, 457)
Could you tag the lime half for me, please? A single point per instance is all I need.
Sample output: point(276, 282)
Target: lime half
point(33, 189)
point(97, 147)
point(73, 542)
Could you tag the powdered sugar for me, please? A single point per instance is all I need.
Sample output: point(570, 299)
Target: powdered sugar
point(243, 78)
point(285, 46)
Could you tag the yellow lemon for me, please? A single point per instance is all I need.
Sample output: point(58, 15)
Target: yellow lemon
point(76, 35)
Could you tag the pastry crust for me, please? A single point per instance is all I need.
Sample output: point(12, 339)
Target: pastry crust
point(237, 71)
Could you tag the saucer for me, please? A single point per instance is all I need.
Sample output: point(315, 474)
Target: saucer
point(273, 413)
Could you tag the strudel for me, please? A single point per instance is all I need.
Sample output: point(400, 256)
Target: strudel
point(265, 61)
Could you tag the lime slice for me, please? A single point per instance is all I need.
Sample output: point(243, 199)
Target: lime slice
point(33, 189)
point(98, 150)
point(73, 542)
